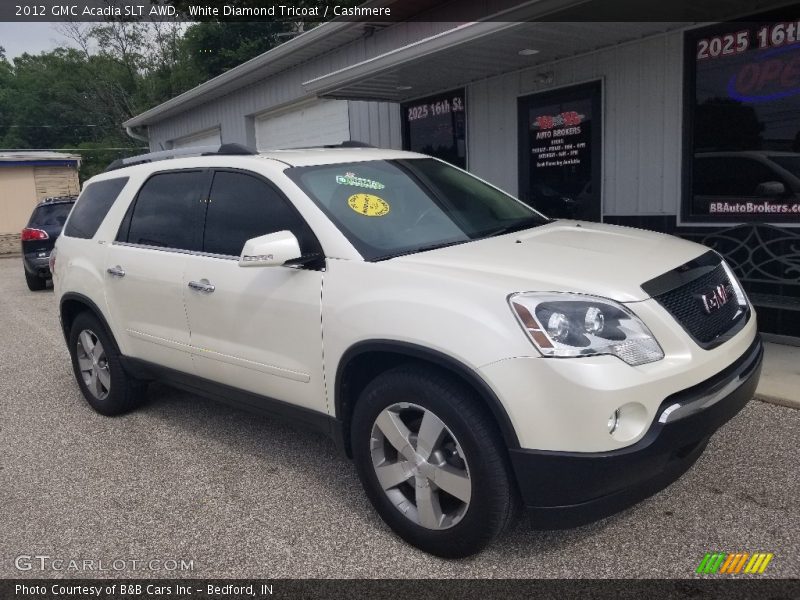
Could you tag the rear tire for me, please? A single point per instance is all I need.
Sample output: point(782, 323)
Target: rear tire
point(98, 370)
point(35, 283)
point(448, 488)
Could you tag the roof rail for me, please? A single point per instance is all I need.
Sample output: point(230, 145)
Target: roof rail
point(223, 150)
point(345, 144)
point(351, 144)
point(66, 198)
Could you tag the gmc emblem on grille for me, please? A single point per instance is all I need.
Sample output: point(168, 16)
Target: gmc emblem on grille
point(716, 298)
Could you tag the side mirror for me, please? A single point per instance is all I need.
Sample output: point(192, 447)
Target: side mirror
point(770, 189)
point(271, 250)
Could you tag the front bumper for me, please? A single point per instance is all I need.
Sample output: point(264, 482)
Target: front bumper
point(567, 489)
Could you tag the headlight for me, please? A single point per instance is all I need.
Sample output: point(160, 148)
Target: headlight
point(569, 325)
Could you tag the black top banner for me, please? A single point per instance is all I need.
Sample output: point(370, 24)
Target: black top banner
point(382, 11)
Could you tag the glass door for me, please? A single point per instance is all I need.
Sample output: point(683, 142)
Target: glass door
point(560, 152)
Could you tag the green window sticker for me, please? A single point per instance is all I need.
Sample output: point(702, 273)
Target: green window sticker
point(351, 179)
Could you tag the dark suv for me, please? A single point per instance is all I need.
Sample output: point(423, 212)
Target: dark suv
point(39, 237)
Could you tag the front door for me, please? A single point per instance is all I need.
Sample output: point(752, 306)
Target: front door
point(560, 152)
point(254, 328)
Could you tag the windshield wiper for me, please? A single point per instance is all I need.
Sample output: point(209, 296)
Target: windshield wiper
point(519, 226)
point(435, 246)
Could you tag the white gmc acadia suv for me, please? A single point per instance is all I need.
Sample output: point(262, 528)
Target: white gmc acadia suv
point(468, 353)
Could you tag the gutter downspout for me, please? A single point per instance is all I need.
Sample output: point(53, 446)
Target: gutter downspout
point(131, 133)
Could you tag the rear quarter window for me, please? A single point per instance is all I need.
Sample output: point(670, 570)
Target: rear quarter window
point(92, 207)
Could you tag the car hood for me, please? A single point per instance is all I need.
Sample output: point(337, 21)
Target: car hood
point(563, 256)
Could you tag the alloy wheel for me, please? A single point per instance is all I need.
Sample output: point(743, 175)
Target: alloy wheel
point(420, 466)
point(93, 364)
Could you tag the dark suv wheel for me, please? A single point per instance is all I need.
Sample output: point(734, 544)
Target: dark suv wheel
point(431, 461)
point(98, 370)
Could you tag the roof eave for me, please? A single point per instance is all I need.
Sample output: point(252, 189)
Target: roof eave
point(228, 81)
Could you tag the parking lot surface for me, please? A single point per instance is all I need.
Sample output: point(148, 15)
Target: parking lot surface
point(241, 496)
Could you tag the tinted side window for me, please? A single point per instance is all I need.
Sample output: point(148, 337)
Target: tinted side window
point(243, 207)
point(92, 207)
point(169, 211)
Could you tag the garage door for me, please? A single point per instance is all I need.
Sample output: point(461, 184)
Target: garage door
point(204, 138)
point(316, 124)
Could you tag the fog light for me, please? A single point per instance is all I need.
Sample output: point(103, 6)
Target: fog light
point(613, 422)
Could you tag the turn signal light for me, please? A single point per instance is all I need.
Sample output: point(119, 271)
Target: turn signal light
point(29, 235)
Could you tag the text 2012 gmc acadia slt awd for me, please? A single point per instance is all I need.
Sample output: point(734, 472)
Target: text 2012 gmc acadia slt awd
point(468, 353)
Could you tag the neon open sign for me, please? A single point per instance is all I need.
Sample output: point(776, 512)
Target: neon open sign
point(773, 75)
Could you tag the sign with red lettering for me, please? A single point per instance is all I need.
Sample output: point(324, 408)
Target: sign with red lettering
point(744, 113)
point(568, 118)
point(774, 74)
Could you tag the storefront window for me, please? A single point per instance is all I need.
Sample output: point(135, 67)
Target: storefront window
point(560, 147)
point(743, 122)
point(437, 126)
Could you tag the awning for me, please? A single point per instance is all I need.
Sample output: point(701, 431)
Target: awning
point(472, 52)
point(543, 31)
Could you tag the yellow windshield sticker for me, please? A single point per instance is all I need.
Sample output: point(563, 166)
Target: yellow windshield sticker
point(368, 205)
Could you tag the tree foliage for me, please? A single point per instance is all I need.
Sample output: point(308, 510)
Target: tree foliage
point(78, 97)
point(213, 47)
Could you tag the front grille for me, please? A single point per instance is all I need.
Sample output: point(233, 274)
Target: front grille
point(686, 305)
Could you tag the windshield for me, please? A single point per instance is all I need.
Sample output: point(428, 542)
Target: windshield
point(789, 162)
point(391, 207)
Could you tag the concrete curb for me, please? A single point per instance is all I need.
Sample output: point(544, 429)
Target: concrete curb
point(778, 401)
point(780, 375)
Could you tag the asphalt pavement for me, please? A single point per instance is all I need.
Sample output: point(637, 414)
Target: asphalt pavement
point(233, 495)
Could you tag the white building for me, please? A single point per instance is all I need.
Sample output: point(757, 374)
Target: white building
point(26, 178)
point(687, 128)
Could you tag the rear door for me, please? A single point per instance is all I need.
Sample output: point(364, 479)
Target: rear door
point(145, 266)
point(257, 328)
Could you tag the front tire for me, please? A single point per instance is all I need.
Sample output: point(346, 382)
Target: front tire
point(96, 363)
point(432, 461)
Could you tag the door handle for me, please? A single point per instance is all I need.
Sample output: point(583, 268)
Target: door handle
point(116, 271)
point(202, 286)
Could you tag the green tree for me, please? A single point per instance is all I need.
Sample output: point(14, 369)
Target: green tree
point(63, 99)
point(212, 48)
point(5, 86)
point(79, 97)
point(44, 99)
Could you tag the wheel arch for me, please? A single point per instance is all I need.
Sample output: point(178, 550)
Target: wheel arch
point(72, 304)
point(377, 356)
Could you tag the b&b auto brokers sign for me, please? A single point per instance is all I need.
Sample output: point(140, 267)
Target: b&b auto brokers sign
point(558, 140)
